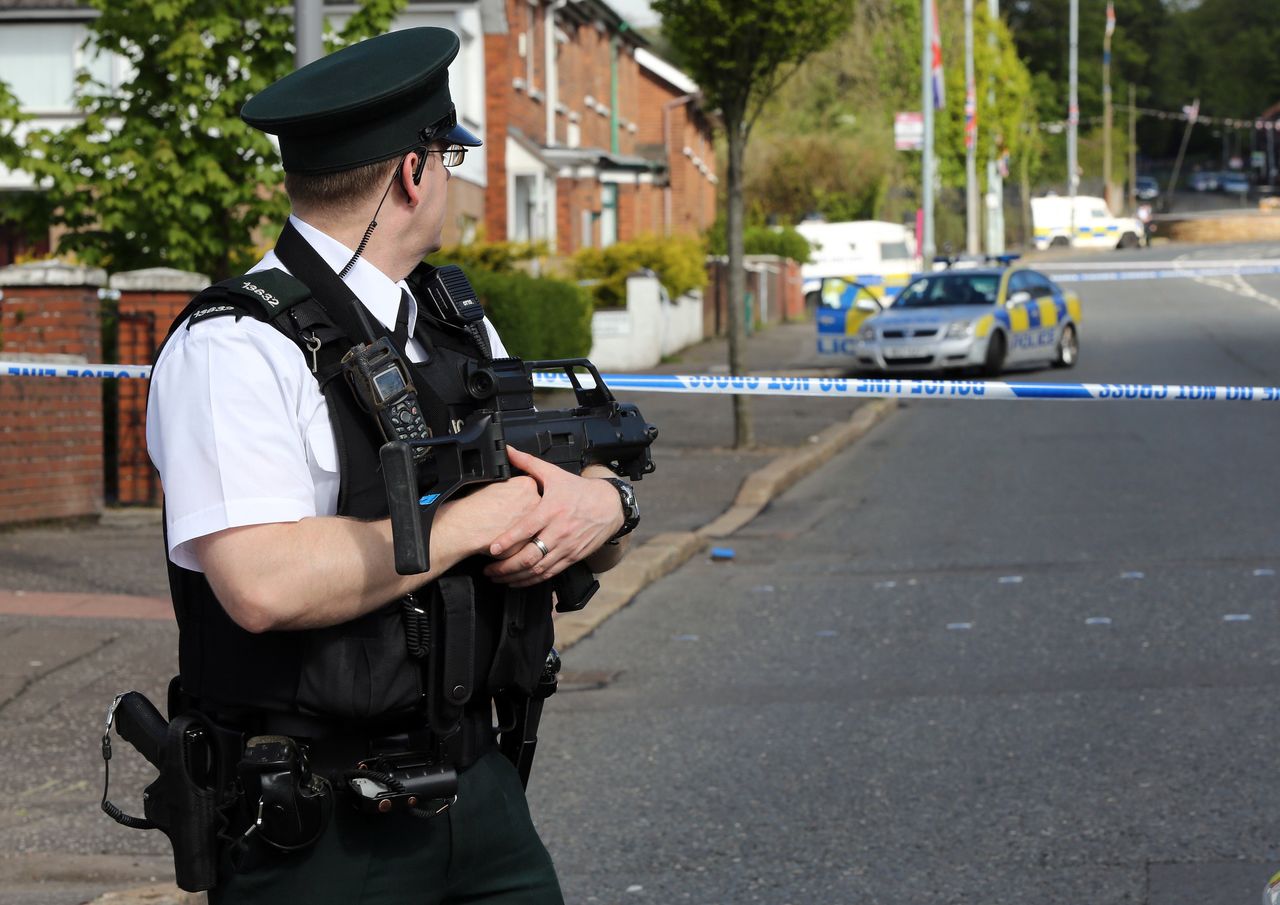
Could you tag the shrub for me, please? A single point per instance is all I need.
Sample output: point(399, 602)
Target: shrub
point(537, 317)
point(678, 261)
point(762, 240)
point(495, 257)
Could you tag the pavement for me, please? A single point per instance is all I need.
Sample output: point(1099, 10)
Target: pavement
point(701, 493)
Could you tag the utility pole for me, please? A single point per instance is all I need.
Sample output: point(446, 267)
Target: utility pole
point(1106, 104)
point(970, 138)
point(308, 31)
point(1192, 112)
point(1133, 154)
point(995, 184)
point(927, 244)
point(1073, 111)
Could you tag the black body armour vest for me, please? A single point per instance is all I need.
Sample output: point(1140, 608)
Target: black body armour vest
point(390, 665)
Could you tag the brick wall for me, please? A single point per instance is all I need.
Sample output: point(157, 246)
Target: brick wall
point(50, 427)
point(497, 106)
point(149, 302)
point(779, 280)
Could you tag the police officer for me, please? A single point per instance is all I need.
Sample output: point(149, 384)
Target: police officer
point(295, 625)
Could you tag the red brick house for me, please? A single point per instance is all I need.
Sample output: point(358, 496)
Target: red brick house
point(591, 137)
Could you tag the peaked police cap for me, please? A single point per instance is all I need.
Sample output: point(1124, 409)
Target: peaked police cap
point(364, 103)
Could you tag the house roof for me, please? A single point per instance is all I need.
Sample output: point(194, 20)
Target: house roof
point(653, 63)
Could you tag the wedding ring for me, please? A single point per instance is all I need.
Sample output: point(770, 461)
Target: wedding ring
point(537, 542)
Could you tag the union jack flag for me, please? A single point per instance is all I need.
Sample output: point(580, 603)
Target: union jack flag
point(935, 54)
point(1111, 17)
point(970, 118)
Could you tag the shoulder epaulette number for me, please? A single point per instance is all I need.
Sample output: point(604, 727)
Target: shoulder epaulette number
point(218, 306)
point(268, 291)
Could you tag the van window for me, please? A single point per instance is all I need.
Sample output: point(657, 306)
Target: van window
point(890, 251)
point(1099, 213)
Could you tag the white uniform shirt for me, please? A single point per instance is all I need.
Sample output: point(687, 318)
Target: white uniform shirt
point(236, 423)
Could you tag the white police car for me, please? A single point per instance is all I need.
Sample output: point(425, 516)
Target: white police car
point(951, 319)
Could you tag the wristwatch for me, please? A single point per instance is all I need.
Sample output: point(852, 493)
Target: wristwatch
point(630, 508)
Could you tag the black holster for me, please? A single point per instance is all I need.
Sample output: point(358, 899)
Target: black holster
point(184, 801)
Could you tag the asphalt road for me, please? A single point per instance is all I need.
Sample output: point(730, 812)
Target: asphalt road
point(999, 652)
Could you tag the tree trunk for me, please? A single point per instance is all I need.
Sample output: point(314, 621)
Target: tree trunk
point(743, 429)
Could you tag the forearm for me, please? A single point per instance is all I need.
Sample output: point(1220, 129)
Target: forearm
point(316, 572)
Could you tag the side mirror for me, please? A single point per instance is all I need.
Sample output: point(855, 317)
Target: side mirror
point(1021, 297)
point(868, 304)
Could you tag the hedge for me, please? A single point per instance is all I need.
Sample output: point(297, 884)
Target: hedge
point(536, 317)
point(678, 261)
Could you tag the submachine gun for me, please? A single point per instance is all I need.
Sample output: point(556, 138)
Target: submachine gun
point(599, 430)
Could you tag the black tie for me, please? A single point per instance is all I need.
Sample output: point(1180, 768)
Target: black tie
point(401, 333)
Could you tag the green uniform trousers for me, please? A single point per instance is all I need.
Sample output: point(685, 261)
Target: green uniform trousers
point(483, 849)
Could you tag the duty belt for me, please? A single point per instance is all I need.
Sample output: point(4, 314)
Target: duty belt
point(336, 744)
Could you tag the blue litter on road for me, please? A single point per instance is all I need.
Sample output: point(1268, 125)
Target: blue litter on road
point(721, 553)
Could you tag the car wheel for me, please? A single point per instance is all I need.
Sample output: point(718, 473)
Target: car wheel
point(1128, 240)
point(1059, 242)
point(994, 362)
point(1068, 348)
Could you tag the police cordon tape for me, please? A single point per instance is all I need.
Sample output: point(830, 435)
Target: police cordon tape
point(829, 387)
point(1081, 272)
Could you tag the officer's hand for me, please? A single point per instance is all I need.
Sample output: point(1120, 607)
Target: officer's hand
point(573, 520)
point(473, 520)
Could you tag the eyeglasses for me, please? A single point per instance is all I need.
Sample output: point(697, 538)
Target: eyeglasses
point(450, 156)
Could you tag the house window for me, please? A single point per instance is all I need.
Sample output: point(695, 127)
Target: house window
point(524, 227)
point(38, 63)
point(608, 214)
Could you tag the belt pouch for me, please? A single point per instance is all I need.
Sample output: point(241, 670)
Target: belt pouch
point(527, 637)
point(183, 802)
point(288, 804)
point(452, 662)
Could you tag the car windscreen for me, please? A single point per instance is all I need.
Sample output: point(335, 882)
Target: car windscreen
point(950, 289)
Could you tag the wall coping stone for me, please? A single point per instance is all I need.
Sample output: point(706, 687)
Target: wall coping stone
point(51, 273)
point(159, 279)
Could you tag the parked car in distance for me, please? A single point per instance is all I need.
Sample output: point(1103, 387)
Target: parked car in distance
point(1146, 188)
point(984, 318)
point(1235, 183)
point(1203, 181)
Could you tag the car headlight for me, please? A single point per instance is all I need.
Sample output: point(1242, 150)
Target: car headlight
point(957, 329)
point(867, 334)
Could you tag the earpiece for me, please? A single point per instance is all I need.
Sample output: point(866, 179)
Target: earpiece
point(417, 171)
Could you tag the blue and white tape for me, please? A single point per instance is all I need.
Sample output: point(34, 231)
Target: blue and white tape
point(48, 369)
point(1081, 272)
point(822, 387)
point(892, 388)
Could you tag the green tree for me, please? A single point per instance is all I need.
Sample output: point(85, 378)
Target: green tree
point(1009, 114)
point(162, 171)
point(18, 209)
point(740, 52)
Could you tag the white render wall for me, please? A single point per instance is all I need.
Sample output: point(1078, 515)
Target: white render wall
point(651, 326)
